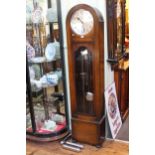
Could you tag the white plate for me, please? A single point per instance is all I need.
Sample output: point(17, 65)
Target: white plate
point(38, 59)
point(51, 15)
point(37, 15)
point(50, 51)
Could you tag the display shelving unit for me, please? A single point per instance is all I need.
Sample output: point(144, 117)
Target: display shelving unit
point(46, 102)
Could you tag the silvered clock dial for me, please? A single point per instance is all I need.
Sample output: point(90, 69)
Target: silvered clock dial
point(82, 22)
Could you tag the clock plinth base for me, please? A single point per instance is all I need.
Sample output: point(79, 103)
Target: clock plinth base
point(89, 132)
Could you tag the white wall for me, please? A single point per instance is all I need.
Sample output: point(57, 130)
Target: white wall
point(101, 6)
point(127, 4)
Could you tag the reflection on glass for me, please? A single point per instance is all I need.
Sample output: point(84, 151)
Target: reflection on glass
point(119, 28)
point(84, 82)
point(45, 69)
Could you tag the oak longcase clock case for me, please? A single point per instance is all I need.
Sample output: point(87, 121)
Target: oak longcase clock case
point(85, 32)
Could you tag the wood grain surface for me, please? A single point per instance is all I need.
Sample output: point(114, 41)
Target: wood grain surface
point(109, 147)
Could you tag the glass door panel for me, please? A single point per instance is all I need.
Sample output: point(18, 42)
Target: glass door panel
point(84, 82)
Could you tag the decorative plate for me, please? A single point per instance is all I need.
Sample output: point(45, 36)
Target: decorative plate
point(112, 107)
point(36, 15)
point(50, 51)
point(51, 15)
point(30, 51)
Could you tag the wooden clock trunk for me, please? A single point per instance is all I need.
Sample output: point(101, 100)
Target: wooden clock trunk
point(86, 75)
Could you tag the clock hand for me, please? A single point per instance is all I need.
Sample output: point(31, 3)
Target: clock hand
point(80, 20)
point(81, 23)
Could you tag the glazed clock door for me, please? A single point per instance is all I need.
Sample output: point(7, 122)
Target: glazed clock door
point(84, 84)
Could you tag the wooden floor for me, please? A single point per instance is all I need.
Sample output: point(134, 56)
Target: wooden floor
point(109, 147)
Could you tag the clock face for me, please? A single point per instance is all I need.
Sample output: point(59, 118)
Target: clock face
point(82, 22)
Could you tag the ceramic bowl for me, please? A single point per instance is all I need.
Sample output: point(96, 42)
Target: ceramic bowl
point(52, 78)
point(50, 125)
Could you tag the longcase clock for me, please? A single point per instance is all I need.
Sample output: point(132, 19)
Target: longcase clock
point(85, 38)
